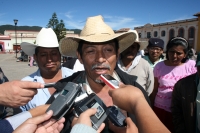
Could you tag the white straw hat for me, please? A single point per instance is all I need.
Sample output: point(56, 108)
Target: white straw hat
point(45, 38)
point(143, 44)
point(96, 31)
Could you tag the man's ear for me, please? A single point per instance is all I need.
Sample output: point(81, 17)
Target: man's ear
point(79, 57)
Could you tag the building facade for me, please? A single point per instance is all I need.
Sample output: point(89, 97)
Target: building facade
point(15, 41)
point(5, 43)
point(188, 28)
point(10, 43)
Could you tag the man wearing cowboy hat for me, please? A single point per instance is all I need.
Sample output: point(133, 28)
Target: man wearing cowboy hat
point(98, 48)
point(131, 62)
point(48, 58)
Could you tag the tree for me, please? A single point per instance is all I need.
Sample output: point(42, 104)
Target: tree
point(57, 26)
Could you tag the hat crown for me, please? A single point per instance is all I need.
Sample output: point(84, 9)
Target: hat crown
point(156, 42)
point(95, 31)
point(136, 33)
point(47, 38)
point(96, 26)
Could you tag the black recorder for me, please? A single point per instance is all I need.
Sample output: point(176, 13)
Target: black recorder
point(93, 101)
point(64, 100)
point(116, 116)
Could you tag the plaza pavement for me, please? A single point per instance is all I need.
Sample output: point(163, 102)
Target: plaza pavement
point(15, 70)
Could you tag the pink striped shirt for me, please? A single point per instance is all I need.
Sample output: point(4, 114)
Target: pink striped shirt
point(167, 77)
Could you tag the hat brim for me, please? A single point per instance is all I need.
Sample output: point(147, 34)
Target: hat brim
point(68, 46)
point(143, 44)
point(28, 48)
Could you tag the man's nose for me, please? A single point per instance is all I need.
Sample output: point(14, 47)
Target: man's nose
point(100, 57)
point(49, 57)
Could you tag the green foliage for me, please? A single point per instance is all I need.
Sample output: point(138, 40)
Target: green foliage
point(53, 22)
point(23, 28)
point(57, 26)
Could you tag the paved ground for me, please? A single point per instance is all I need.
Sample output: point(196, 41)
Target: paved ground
point(15, 70)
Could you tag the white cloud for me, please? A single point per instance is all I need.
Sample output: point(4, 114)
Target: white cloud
point(119, 22)
point(115, 22)
point(73, 25)
point(68, 14)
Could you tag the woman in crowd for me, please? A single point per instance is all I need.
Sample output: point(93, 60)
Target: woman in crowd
point(176, 66)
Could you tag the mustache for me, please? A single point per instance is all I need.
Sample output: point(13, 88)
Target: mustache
point(100, 65)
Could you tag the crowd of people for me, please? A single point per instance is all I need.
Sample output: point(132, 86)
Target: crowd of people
point(157, 93)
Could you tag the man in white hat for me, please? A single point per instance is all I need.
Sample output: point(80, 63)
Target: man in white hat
point(48, 58)
point(98, 48)
point(131, 62)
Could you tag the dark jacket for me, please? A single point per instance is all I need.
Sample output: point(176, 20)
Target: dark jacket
point(70, 63)
point(125, 78)
point(184, 104)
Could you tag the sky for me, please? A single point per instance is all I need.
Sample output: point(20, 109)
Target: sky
point(117, 13)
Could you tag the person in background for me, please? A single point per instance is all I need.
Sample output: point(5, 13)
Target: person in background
point(193, 53)
point(131, 62)
point(31, 61)
point(185, 104)
point(155, 51)
point(74, 64)
point(142, 52)
point(176, 66)
point(48, 58)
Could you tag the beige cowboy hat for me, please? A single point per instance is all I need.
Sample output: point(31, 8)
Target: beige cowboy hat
point(143, 44)
point(45, 38)
point(96, 31)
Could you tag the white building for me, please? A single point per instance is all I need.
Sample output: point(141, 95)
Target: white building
point(187, 28)
point(9, 43)
point(5, 44)
point(22, 36)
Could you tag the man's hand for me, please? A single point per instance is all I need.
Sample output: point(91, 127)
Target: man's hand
point(130, 128)
point(84, 118)
point(126, 97)
point(40, 124)
point(39, 110)
point(18, 93)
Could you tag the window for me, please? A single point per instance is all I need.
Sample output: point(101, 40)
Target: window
point(181, 32)
point(191, 36)
point(171, 33)
point(148, 34)
point(140, 35)
point(163, 33)
point(155, 33)
point(191, 32)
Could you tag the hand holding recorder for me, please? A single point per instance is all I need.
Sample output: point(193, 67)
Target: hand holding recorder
point(110, 81)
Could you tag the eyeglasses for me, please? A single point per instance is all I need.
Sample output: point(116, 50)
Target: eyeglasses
point(155, 49)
